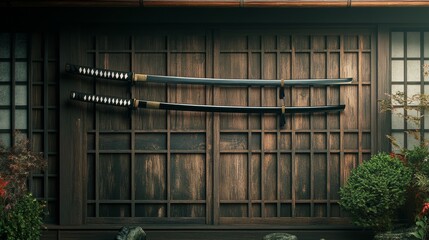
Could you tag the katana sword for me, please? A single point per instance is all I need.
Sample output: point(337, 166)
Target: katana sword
point(138, 77)
point(134, 103)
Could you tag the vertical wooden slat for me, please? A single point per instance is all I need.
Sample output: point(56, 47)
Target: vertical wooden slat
point(405, 88)
point(262, 120)
point(216, 130)
point(168, 91)
point(379, 86)
point(209, 130)
point(70, 165)
point(328, 134)
point(278, 133)
point(360, 99)
point(342, 173)
point(45, 111)
point(97, 136)
point(293, 134)
point(133, 136)
point(249, 136)
point(311, 132)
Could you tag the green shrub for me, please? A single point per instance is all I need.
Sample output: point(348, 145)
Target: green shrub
point(23, 220)
point(418, 159)
point(375, 190)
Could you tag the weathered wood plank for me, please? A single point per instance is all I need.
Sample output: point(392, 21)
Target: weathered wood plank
point(114, 182)
point(188, 177)
point(233, 177)
point(255, 176)
point(270, 179)
point(302, 177)
point(320, 177)
point(150, 175)
point(285, 177)
point(71, 148)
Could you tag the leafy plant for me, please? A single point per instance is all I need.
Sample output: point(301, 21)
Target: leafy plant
point(23, 220)
point(21, 214)
point(16, 165)
point(417, 158)
point(422, 223)
point(375, 190)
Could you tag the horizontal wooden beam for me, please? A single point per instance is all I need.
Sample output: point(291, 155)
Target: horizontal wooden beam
point(215, 3)
point(191, 3)
point(372, 3)
point(74, 3)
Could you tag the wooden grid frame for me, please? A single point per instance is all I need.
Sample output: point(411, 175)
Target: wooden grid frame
point(168, 132)
point(345, 144)
point(44, 117)
point(362, 152)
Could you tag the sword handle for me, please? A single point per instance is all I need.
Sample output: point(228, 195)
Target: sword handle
point(99, 72)
point(113, 101)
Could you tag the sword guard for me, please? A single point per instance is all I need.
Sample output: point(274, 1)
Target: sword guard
point(283, 116)
point(282, 89)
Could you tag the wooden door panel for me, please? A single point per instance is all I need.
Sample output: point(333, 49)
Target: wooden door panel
point(297, 170)
point(162, 166)
point(150, 164)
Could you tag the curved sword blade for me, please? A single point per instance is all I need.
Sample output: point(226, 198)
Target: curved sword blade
point(133, 103)
point(136, 77)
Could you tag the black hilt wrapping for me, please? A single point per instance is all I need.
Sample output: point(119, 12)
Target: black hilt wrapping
point(100, 73)
point(113, 101)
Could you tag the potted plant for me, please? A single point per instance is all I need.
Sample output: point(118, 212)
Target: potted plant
point(21, 215)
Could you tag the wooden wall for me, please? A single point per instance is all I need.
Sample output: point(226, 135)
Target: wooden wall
point(165, 167)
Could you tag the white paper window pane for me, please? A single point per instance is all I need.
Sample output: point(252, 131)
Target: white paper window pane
point(397, 44)
point(413, 71)
point(4, 45)
point(21, 71)
point(397, 70)
point(4, 95)
point(396, 89)
point(412, 141)
point(4, 119)
point(412, 124)
point(21, 95)
point(5, 139)
point(21, 45)
point(413, 44)
point(426, 44)
point(20, 119)
point(411, 91)
point(4, 72)
point(398, 121)
point(399, 137)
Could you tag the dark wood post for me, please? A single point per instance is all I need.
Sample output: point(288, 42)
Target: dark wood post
point(71, 136)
